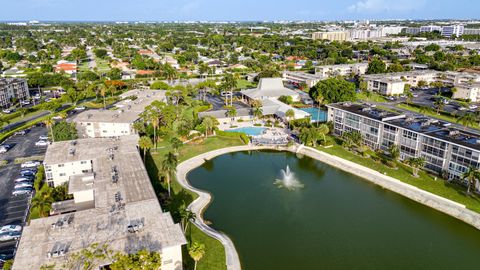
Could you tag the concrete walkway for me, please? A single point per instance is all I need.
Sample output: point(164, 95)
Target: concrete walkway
point(446, 206)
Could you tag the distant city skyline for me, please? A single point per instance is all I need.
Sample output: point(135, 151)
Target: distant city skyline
point(236, 10)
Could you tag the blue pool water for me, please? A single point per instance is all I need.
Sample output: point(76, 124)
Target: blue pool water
point(251, 131)
point(316, 115)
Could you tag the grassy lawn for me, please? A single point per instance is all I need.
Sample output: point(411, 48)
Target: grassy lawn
point(102, 65)
point(244, 84)
point(83, 66)
point(372, 97)
point(214, 252)
point(403, 173)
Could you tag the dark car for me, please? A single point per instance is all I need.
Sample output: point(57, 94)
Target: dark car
point(5, 257)
point(27, 173)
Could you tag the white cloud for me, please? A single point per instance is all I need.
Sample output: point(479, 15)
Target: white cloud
point(377, 6)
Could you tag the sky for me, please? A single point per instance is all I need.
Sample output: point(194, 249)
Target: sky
point(235, 10)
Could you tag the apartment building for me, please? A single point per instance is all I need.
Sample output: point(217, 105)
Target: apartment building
point(386, 86)
point(471, 31)
point(341, 70)
point(331, 36)
point(118, 122)
point(448, 151)
point(467, 91)
point(114, 204)
point(302, 78)
point(453, 30)
point(12, 89)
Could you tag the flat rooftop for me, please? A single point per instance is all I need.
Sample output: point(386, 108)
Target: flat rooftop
point(117, 206)
point(126, 110)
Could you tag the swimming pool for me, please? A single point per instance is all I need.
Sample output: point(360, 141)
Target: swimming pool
point(316, 115)
point(251, 131)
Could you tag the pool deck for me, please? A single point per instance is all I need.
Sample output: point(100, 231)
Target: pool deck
point(441, 204)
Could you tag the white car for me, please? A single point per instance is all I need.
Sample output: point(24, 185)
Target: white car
point(79, 108)
point(30, 164)
point(7, 111)
point(25, 102)
point(23, 179)
point(10, 236)
point(10, 228)
point(41, 143)
point(3, 149)
point(19, 192)
point(23, 185)
point(43, 138)
point(472, 107)
point(58, 117)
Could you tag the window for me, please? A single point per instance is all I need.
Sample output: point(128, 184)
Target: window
point(61, 165)
point(85, 171)
point(62, 174)
point(83, 162)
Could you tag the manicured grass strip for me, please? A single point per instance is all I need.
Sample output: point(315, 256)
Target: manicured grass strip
point(403, 173)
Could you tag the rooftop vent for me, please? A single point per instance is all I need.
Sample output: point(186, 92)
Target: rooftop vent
point(115, 116)
point(118, 197)
point(453, 133)
point(63, 221)
point(58, 250)
point(73, 143)
point(135, 225)
point(89, 115)
point(71, 151)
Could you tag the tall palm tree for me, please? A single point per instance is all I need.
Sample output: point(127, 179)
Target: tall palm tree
point(319, 99)
point(49, 124)
point(145, 143)
point(471, 176)
point(257, 112)
point(467, 120)
point(439, 105)
point(323, 130)
point(176, 143)
point(187, 216)
point(103, 92)
point(42, 202)
point(169, 166)
point(196, 251)
point(394, 152)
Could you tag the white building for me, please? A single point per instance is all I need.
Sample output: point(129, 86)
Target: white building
point(385, 86)
point(331, 36)
point(12, 89)
point(119, 122)
point(456, 30)
point(114, 204)
point(302, 78)
point(430, 28)
point(467, 91)
point(341, 70)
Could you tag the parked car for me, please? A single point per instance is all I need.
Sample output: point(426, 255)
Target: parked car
point(5, 257)
point(23, 179)
point(23, 185)
point(10, 228)
point(58, 117)
point(41, 143)
point(27, 173)
point(8, 146)
point(10, 236)
point(25, 102)
point(43, 137)
point(7, 111)
point(32, 170)
point(3, 149)
point(22, 132)
point(30, 164)
point(472, 107)
point(79, 108)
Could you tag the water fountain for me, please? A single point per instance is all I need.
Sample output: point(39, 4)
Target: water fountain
point(288, 180)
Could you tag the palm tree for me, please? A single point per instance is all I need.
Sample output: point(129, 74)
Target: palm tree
point(231, 112)
point(257, 112)
point(169, 166)
point(145, 143)
point(49, 124)
point(471, 176)
point(103, 91)
point(319, 99)
point(289, 114)
point(323, 130)
point(176, 144)
point(439, 105)
point(196, 251)
point(42, 202)
point(187, 216)
point(416, 164)
point(467, 120)
point(209, 124)
point(394, 152)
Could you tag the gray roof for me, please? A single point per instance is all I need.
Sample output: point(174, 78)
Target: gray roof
point(103, 222)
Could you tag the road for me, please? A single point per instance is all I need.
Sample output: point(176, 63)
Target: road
point(14, 210)
point(91, 59)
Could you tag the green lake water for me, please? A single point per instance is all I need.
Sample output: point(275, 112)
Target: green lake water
point(336, 221)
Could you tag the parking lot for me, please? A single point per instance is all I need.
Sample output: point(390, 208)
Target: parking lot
point(14, 210)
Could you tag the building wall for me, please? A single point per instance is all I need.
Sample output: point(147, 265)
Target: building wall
point(467, 92)
point(332, 36)
point(13, 89)
point(341, 70)
point(386, 87)
point(98, 130)
point(58, 174)
point(172, 258)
